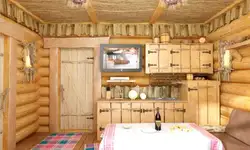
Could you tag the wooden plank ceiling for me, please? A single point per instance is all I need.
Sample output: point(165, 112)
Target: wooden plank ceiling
point(57, 11)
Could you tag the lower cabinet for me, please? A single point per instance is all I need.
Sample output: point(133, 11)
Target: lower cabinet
point(138, 112)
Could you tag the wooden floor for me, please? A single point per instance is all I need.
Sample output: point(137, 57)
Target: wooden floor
point(36, 138)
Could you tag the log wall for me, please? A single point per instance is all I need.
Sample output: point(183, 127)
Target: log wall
point(43, 82)
point(27, 96)
point(235, 93)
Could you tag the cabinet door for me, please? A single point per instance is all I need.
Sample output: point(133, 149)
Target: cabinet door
point(185, 58)
point(213, 93)
point(176, 58)
point(203, 101)
point(148, 115)
point(206, 58)
point(151, 58)
point(103, 117)
point(169, 112)
point(136, 112)
point(165, 59)
point(179, 112)
point(195, 59)
point(116, 115)
point(191, 114)
point(126, 113)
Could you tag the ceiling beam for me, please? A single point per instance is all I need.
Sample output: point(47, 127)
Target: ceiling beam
point(25, 10)
point(237, 2)
point(91, 11)
point(158, 11)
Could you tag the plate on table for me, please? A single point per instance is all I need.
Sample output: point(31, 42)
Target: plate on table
point(148, 130)
point(127, 126)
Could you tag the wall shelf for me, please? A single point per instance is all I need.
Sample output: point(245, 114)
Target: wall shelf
point(120, 81)
point(239, 45)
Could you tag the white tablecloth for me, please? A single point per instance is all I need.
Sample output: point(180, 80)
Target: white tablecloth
point(117, 138)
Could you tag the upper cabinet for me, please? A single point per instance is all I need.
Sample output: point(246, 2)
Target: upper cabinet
point(179, 58)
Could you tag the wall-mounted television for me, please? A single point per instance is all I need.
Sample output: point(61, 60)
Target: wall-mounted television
point(121, 57)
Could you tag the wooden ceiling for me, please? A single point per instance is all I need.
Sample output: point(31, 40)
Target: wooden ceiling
point(57, 11)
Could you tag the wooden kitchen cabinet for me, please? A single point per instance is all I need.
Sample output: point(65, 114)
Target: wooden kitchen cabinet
point(179, 58)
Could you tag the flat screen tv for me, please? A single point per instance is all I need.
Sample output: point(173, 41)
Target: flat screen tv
point(121, 57)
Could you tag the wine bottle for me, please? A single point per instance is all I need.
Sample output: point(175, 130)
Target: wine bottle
point(157, 120)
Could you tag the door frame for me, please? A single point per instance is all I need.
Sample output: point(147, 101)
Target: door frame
point(54, 44)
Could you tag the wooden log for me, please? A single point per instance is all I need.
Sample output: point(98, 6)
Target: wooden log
point(236, 88)
point(224, 120)
point(20, 77)
point(216, 55)
point(236, 55)
point(26, 88)
point(43, 111)
point(25, 132)
point(43, 101)
point(235, 101)
point(43, 52)
point(216, 65)
point(44, 91)
point(44, 81)
point(27, 98)
point(226, 111)
point(43, 72)
point(20, 64)
point(240, 65)
point(43, 129)
point(20, 53)
point(244, 52)
point(43, 62)
point(44, 120)
point(26, 120)
point(26, 109)
point(240, 76)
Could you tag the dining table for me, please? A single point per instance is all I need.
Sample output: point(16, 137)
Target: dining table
point(172, 136)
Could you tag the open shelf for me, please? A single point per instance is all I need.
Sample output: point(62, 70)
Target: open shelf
point(239, 45)
point(140, 100)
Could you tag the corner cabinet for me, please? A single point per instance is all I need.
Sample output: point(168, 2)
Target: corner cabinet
point(199, 104)
point(179, 58)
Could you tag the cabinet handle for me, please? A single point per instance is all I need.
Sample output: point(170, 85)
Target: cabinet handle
point(149, 52)
point(172, 65)
point(140, 110)
point(150, 65)
point(207, 65)
point(101, 129)
point(208, 52)
point(172, 51)
point(103, 110)
point(90, 57)
point(192, 89)
point(180, 110)
point(146, 110)
point(90, 118)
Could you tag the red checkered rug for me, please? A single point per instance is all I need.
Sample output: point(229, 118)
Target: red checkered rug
point(60, 141)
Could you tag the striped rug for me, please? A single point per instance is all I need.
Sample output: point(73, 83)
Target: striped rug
point(94, 146)
point(59, 141)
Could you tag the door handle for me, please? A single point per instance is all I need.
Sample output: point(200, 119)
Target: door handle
point(172, 65)
point(208, 52)
point(149, 52)
point(192, 89)
point(172, 51)
point(3, 99)
point(62, 92)
point(149, 65)
point(207, 65)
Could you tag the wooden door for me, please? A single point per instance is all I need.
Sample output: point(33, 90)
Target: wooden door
point(195, 58)
point(152, 52)
point(116, 116)
point(169, 112)
point(103, 117)
point(213, 93)
point(179, 112)
point(126, 113)
point(165, 59)
point(147, 116)
point(136, 112)
point(77, 85)
point(206, 58)
point(185, 58)
point(1, 90)
point(203, 102)
point(176, 58)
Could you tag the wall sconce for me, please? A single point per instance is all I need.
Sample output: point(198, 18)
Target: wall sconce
point(29, 56)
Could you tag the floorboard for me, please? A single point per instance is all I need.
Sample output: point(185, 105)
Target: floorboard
point(36, 138)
